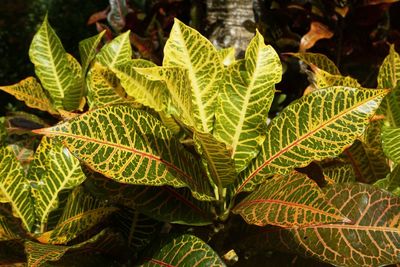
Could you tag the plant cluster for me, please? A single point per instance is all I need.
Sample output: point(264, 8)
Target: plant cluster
point(138, 147)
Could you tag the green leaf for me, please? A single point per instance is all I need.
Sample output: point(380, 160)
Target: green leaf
point(14, 188)
point(339, 172)
point(52, 65)
point(81, 213)
point(117, 52)
point(32, 93)
point(53, 169)
point(73, 98)
point(323, 79)
point(103, 87)
point(227, 55)
point(317, 126)
point(38, 253)
point(216, 157)
point(245, 100)
point(147, 92)
point(288, 201)
point(389, 77)
point(88, 50)
point(183, 250)
point(392, 181)
point(391, 142)
point(371, 240)
point(166, 204)
point(187, 48)
point(131, 146)
point(319, 60)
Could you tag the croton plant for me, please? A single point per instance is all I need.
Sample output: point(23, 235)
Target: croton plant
point(139, 164)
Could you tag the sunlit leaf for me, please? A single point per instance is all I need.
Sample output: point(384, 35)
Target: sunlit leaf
point(103, 87)
point(54, 169)
point(73, 98)
point(319, 60)
point(319, 125)
point(288, 201)
point(116, 52)
point(183, 250)
point(391, 142)
point(131, 146)
point(14, 187)
point(323, 79)
point(52, 64)
point(187, 48)
point(81, 212)
point(372, 239)
point(147, 92)
point(32, 93)
point(245, 100)
point(227, 55)
point(88, 50)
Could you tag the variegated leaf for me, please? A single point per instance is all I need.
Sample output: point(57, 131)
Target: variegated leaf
point(88, 50)
point(73, 98)
point(389, 77)
point(150, 93)
point(288, 201)
point(217, 158)
point(319, 60)
point(51, 63)
point(32, 93)
point(245, 100)
point(391, 142)
point(103, 87)
point(23, 151)
point(227, 55)
point(319, 125)
point(117, 52)
point(392, 181)
point(53, 169)
point(323, 79)
point(131, 146)
point(373, 238)
point(166, 204)
point(182, 250)
point(187, 48)
point(339, 172)
point(81, 213)
point(15, 188)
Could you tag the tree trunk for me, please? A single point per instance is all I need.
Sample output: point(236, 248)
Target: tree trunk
point(227, 18)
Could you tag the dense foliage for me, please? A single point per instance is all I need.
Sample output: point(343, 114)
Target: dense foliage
point(149, 164)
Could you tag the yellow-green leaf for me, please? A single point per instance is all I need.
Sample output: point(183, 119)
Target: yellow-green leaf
point(319, 60)
point(88, 50)
point(51, 63)
point(15, 188)
point(339, 172)
point(391, 142)
point(82, 212)
point(53, 169)
point(288, 201)
point(187, 48)
point(103, 87)
point(117, 52)
point(131, 146)
point(147, 92)
point(392, 181)
point(217, 158)
point(32, 93)
point(323, 79)
point(227, 55)
point(317, 126)
point(75, 92)
point(244, 102)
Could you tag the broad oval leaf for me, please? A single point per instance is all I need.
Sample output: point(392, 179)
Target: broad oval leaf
point(51, 63)
point(288, 201)
point(15, 188)
point(319, 60)
point(32, 93)
point(373, 239)
point(245, 100)
point(187, 48)
point(53, 169)
point(103, 87)
point(131, 146)
point(391, 142)
point(147, 92)
point(182, 250)
point(317, 126)
point(88, 50)
point(116, 52)
point(82, 212)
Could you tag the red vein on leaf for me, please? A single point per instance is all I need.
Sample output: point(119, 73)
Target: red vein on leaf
point(293, 144)
point(161, 263)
